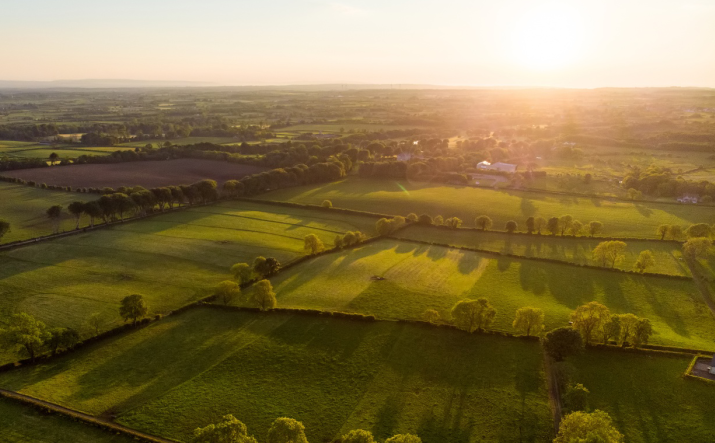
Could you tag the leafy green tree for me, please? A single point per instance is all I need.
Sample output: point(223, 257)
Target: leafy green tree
point(93, 210)
point(242, 272)
point(313, 245)
point(562, 343)
point(228, 430)
point(453, 222)
point(76, 209)
point(338, 242)
point(133, 307)
point(358, 436)
point(576, 398)
point(588, 319)
point(634, 330)
point(698, 230)
point(95, 323)
point(425, 219)
point(404, 438)
point(634, 194)
point(122, 204)
point(412, 217)
point(552, 225)
point(529, 320)
point(675, 232)
point(646, 259)
point(263, 295)
point(473, 315)
point(438, 220)
point(266, 267)
point(697, 248)
point(227, 291)
point(25, 332)
point(594, 227)
point(53, 158)
point(431, 316)
point(483, 222)
point(4, 228)
point(511, 226)
point(530, 225)
point(326, 204)
point(286, 430)
point(576, 228)
point(61, 338)
point(611, 329)
point(565, 223)
point(54, 213)
point(609, 252)
point(582, 427)
point(642, 333)
point(663, 230)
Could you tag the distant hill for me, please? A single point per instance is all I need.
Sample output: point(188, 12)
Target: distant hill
point(97, 84)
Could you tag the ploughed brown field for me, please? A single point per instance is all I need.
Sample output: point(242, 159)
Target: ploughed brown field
point(149, 174)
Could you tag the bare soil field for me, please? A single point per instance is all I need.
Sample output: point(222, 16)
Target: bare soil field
point(149, 174)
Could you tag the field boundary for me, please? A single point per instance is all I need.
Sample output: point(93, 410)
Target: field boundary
point(45, 406)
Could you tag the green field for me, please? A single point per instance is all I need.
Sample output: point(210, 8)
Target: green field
point(647, 396)
point(180, 141)
point(668, 256)
point(23, 424)
point(620, 218)
point(420, 277)
point(171, 259)
point(24, 207)
point(333, 375)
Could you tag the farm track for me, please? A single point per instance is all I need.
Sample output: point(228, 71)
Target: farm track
point(77, 415)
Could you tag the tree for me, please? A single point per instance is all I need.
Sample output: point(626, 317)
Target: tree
point(326, 204)
point(76, 209)
point(698, 230)
point(576, 228)
point(412, 217)
point(313, 245)
point(54, 213)
point(588, 319)
point(53, 158)
point(473, 315)
point(266, 266)
point(675, 232)
point(438, 220)
point(594, 227)
point(530, 225)
point(228, 430)
point(4, 228)
point(242, 272)
point(63, 338)
point(263, 295)
point(562, 343)
point(629, 323)
point(609, 252)
point(93, 210)
point(565, 222)
point(286, 430)
point(646, 259)
point(431, 316)
point(227, 291)
point(95, 323)
point(358, 436)
point(404, 438)
point(553, 225)
point(453, 222)
point(511, 226)
point(25, 332)
point(539, 224)
point(611, 329)
point(529, 320)
point(582, 427)
point(483, 222)
point(122, 204)
point(663, 230)
point(425, 219)
point(338, 242)
point(697, 248)
point(642, 332)
point(634, 194)
point(576, 398)
point(133, 307)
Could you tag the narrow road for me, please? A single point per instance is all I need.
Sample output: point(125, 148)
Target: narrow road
point(90, 419)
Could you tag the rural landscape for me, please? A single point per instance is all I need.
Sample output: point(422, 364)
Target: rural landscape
point(371, 222)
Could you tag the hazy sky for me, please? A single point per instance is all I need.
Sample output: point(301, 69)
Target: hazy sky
point(574, 43)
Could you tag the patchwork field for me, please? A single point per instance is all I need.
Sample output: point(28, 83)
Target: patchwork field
point(170, 259)
point(23, 424)
point(647, 396)
point(24, 208)
point(420, 277)
point(149, 174)
point(620, 218)
point(333, 375)
point(668, 255)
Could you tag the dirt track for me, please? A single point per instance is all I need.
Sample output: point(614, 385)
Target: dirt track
point(149, 174)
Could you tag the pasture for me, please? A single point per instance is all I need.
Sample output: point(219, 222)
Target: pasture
point(620, 218)
point(668, 255)
point(24, 208)
point(647, 396)
point(23, 424)
point(149, 174)
point(171, 259)
point(334, 375)
point(419, 277)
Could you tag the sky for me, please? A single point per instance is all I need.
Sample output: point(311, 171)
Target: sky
point(553, 43)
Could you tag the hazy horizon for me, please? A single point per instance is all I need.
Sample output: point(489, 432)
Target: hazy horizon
point(512, 43)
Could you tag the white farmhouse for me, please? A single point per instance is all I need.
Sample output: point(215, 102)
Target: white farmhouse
point(501, 167)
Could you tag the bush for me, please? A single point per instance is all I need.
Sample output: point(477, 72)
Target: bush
point(326, 204)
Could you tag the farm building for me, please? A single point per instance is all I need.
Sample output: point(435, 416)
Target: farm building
point(688, 199)
point(501, 167)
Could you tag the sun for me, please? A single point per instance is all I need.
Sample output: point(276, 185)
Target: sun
point(549, 37)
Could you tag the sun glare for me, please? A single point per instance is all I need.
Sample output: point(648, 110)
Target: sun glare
point(547, 38)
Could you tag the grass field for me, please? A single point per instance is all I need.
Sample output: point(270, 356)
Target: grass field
point(668, 256)
point(23, 424)
point(334, 375)
point(419, 277)
point(24, 208)
point(620, 218)
point(647, 396)
point(171, 259)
